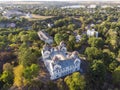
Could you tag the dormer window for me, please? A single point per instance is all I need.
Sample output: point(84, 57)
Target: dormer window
point(57, 68)
point(63, 49)
point(46, 54)
point(77, 62)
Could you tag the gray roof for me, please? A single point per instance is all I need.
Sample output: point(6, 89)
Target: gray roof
point(62, 63)
point(44, 35)
point(65, 63)
point(57, 52)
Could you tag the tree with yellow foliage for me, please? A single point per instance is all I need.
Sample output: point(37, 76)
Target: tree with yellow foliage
point(18, 77)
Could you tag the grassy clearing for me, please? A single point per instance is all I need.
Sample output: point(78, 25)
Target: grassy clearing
point(37, 17)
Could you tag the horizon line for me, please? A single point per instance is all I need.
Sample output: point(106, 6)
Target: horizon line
point(60, 0)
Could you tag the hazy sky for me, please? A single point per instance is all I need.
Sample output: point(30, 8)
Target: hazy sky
point(59, 0)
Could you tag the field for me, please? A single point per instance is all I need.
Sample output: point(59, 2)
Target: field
point(37, 17)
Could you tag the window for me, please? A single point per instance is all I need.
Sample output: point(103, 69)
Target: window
point(77, 63)
point(59, 70)
point(57, 76)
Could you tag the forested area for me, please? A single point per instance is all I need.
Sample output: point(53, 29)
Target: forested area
point(20, 50)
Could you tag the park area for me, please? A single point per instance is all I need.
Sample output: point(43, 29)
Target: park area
point(37, 17)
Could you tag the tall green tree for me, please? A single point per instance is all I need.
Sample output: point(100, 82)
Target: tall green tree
point(75, 81)
point(33, 35)
point(93, 53)
point(26, 57)
point(71, 42)
point(97, 73)
point(31, 72)
point(58, 38)
point(96, 42)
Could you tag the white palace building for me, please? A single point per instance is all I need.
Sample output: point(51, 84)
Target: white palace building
point(59, 62)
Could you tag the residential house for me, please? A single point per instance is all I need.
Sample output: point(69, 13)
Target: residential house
point(92, 32)
point(45, 37)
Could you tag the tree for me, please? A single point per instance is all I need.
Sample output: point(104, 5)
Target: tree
point(71, 26)
point(59, 23)
point(96, 42)
point(75, 81)
point(23, 46)
point(119, 54)
point(15, 39)
point(24, 38)
point(109, 59)
point(10, 36)
point(93, 53)
point(18, 75)
point(116, 75)
point(82, 19)
point(58, 38)
point(26, 57)
point(2, 45)
point(113, 39)
point(7, 77)
point(113, 65)
point(97, 73)
point(7, 67)
point(71, 42)
point(33, 36)
point(31, 72)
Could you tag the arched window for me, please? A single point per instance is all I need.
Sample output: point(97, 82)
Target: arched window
point(57, 68)
point(63, 49)
point(46, 54)
point(77, 62)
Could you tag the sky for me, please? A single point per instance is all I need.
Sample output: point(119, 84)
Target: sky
point(59, 0)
